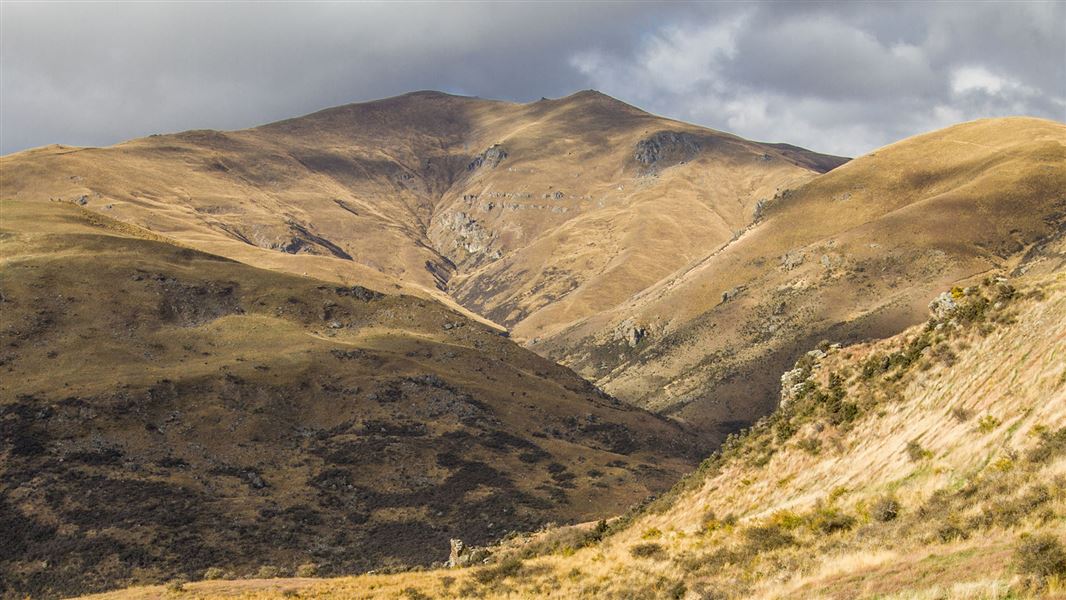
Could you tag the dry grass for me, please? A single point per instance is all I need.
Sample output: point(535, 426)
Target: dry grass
point(778, 548)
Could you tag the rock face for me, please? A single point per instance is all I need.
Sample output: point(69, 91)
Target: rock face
point(630, 333)
point(490, 158)
point(666, 149)
point(791, 260)
point(457, 552)
point(464, 556)
point(942, 306)
point(470, 235)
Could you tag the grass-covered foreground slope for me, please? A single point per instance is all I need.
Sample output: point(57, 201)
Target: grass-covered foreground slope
point(928, 465)
point(164, 411)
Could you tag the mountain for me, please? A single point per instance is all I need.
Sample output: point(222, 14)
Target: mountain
point(164, 410)
point(851, 255)
point(530, 215)
point(344, 339)
point(925, 465)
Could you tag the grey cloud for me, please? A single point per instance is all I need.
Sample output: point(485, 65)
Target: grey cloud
point(836, 77)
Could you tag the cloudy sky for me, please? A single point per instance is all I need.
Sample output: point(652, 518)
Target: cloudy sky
point(834, 77)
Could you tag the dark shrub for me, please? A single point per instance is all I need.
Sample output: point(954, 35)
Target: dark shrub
point(831, 520)
point(916, 453)
point(885, 509)
point(766, 538)
point(650, 550)
point(509, 567)
point(1041, 555)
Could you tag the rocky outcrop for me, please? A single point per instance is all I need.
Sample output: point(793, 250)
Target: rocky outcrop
point(666, 149)
point(630, 333)
point(791, 260)
point(490, 158)
point(462, 555)
point(470, 235)
point(295, 238)
point(943, 305)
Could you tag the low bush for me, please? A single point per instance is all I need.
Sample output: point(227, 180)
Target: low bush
point(987, 424)
point(916, 453)
point(508, 567)
point(307, 570)
point(885, 509)
point(649, 550)
point(1041, 555)
point(830, 520)
point(763, 538)
point(216, 573)
point(811, 445)
point(411, 593)
point(268, 572)
point(1050, 446)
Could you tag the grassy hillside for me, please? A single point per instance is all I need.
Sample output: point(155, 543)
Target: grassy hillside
point(851, 255)
point(927, 465)
point(164, 410)
point(533, 215)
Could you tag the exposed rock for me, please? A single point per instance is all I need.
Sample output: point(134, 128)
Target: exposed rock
point(732, 293)
point(791, 381)
point(82, 200)
point(470, 234)
point(490, 158)
point(360, 292)
point(665, 149)
point(628, 332)
point(943, 305)
point(760, 210)
point(792, 259)
point(464, 556)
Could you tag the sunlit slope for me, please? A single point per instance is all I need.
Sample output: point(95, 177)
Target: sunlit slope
point(854, 254)
point(164, 410)
point(531, 214)
point(919, 466)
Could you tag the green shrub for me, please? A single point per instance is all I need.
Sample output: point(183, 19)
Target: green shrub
point(268, 572)
point(307, 570)
point(950, 529)
point(885, 509)
point(216, 573)
point(649, 550)
point(987, 424)
point(1041, 555)
point(830, 520)
point(176, 585)
point(811, 445)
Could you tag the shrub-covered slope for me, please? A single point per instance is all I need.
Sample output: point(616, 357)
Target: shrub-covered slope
point(928, 465)
point(163, 411)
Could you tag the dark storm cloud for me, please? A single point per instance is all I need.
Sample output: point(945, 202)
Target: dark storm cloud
point(835, 77)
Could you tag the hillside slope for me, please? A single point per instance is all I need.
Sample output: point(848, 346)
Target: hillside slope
point(851, 255)
point(532, 215)
point(164, 410)
point(927, 465)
